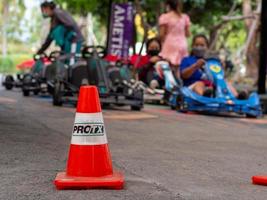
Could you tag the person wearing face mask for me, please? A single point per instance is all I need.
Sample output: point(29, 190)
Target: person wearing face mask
point(63, 30)
point(192, 73)
point(191, 67)
point(145, 67)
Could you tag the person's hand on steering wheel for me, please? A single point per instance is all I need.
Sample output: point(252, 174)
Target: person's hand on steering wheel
point(39, 56)
point(89, 51)
point(200, 63)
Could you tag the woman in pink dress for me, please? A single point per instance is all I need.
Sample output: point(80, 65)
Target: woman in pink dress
point(174, 30)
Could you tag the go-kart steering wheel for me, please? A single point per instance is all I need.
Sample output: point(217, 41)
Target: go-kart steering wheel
point(122, 62)
point(89, 51)
point(101, 51)
point(39, 56)
point(54, 55)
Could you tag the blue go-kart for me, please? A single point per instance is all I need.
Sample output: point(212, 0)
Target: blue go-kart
point(223, 100)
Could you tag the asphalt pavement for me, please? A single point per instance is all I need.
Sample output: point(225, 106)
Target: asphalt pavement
point(163, 154)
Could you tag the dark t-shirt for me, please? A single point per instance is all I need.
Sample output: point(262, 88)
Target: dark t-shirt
point(62, 17)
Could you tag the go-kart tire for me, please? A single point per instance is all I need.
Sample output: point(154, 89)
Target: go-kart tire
point(182, 108)
point(36, 92)
point(105, 105)
point(136, 108)
point(179, 102)
point(57, 96)
point(26, 93)
point(9, 82)
point(251, 116)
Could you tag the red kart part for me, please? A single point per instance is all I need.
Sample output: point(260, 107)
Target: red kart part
point(28, 64)
point(143, 60)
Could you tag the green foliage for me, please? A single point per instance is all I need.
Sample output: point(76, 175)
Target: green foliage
point(8, 64)
point(232, 36)
point(12, 21)
point(82, 7)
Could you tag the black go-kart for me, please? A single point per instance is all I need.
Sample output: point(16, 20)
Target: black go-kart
point(10, 82)
point(42, 73)
point(113, 81)
point(32, 81)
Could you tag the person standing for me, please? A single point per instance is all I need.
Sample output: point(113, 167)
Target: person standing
point(174, 30)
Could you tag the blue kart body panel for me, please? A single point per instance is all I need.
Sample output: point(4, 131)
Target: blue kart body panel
point(224, 100)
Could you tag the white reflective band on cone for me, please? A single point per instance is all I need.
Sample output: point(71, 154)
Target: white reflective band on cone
point(89, 129)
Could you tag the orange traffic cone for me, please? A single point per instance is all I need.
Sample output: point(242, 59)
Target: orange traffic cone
point(259, 180)
point(89, 164)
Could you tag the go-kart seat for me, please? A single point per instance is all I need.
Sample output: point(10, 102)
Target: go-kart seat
point(56, 69)
point(79, 74)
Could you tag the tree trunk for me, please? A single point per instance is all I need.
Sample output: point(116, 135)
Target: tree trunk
point(5, 12)
point(251, 48)
point(247, 10)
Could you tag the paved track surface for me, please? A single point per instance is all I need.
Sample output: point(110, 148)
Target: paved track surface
point(164, 154)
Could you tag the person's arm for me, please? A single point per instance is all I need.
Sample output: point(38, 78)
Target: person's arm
point(45, 45)
point(188, 72)
point(154, 59)
point(187, 31)
point(187, 26)
point(163, 21)
point(162, 33)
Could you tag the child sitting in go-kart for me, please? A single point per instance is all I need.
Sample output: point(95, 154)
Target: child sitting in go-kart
point(145, 65)
point(192, 73)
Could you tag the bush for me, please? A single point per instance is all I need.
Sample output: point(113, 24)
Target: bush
point(9, 63)
point(6, 65)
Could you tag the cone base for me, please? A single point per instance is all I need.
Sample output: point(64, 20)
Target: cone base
point(259, 180)
point(64, 182)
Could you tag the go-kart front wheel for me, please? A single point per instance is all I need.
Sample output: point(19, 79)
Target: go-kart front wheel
point(251, 116)
point(136, 108)
point(36, 92)
point(182, 106)
point(178, 102)
point(57, 95)
point(9, 82)
point(26, 93)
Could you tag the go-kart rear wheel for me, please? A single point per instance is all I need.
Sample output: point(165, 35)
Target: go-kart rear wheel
point(182, 106)
point(36, 92)
point(105, 105)
point(173, 107)
point(179, 104)
point(26, 93)
point(136, 108)
point(9, 82)
point(251, 116)
point(26, 83)
point(57, 96)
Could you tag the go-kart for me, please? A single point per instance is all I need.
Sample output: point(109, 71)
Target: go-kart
point(9, 81)
point(168, 86)
point(113, 81)
point(35, 81)
point(223, 100)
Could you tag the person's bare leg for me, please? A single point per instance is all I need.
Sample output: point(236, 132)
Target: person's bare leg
point(198, 87)
point(233, 90)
